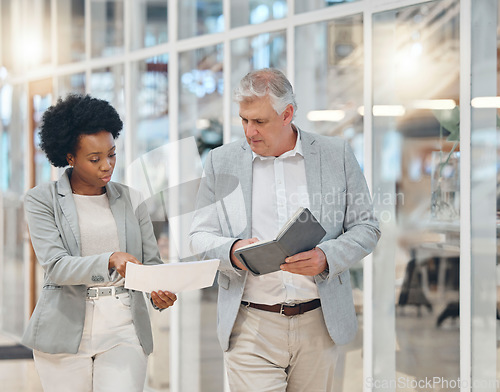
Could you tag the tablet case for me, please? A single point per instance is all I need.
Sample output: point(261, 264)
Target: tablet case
point(301, 233)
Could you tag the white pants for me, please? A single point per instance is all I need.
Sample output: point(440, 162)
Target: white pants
point(110, 357)
point(269, 352)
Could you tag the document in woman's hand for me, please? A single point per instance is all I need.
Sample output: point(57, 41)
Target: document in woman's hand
point(173, 277)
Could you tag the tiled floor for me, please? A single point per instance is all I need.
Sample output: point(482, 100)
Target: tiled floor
point(422, 351)
point(18, 375)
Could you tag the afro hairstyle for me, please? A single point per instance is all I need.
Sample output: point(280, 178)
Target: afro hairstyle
point(65, 122)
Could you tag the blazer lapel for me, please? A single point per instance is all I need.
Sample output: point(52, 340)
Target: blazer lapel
point(68, 207)
point(312, 159)
point(244, 173)
point(118, 209)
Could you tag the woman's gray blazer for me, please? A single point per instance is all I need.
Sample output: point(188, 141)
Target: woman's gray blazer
point(56, 325)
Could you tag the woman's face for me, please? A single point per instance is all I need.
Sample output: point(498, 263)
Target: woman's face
point(93, 163)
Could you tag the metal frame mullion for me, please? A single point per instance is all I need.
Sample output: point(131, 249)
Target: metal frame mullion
point(174, 173)
point(127, 70)
point(368, 172)
point(226, 98)
point(465, 189)
point(88, 53)
point(290, 42)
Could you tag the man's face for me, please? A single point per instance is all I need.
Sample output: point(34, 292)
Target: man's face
point(266, 131)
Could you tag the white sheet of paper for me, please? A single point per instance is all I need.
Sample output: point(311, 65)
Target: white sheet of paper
point(173, 277)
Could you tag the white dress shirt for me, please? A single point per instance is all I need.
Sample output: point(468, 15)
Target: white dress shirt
point(279, 188)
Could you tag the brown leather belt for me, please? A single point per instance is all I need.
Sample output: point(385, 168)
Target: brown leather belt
point(286, 310)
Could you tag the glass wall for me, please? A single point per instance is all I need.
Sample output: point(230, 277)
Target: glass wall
point(329, 62)
point(484, 94)
point(201, 88)
point(74, 83)
point(7, 17)
point(200, 96)
point(199, 17)
point(311, 5)
point(497, 201)
point(257, 11)
point(71, 31)
point(13, 293)
point(150, 126)
point(329, 79)
point(416, 155)
point(149, 23)
point(248, 54)
point(385, 75)
point(107, 27)
point(108, 83)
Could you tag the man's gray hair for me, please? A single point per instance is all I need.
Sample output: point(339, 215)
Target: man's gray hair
point(267, 81)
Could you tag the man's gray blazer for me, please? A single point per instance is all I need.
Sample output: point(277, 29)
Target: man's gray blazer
point(339, 199)
point(56, 325)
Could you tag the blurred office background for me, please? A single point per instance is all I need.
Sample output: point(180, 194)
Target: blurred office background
point(412, 85)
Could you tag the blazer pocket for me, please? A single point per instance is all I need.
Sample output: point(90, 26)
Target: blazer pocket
point(223, 281)
point(52, 287)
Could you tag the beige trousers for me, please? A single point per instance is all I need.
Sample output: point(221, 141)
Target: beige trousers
point(110, 357)
point(269, 352)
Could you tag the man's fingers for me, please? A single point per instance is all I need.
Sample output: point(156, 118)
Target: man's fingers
point(300, 257)
point(163, 298)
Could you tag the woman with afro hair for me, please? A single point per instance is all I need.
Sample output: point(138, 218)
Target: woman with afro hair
point(87, 332)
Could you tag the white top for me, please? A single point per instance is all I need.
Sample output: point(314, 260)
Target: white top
point(98, 232)
point(279, 188)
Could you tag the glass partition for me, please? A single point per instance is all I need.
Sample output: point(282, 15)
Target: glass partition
point(200, 130)
point(311, 5)
point(150, 120)
point(30, 41)
point(70, 31)
point(149, 23)
point(74, 83)
point(35, 47)
point(40, 103)
point(7, 23)
point(484, 196)
point(199, 17)
point(149, 127)
point(109, 84)
point(257, 11)
point(247, 54)
point(416, 169)
point(150, 132)
point(329, 90)
point(13, 115)
point(107, 27)
point(200, 101)
point(497, 196)
point(329, 79)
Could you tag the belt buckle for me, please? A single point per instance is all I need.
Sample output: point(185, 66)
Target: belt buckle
point(282, 309)
point(96, 293)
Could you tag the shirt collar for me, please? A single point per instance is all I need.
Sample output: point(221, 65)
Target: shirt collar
point(291, 153)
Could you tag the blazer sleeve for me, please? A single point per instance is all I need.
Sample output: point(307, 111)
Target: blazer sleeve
point(206, 237)
point(360, 228)
point(48, 238)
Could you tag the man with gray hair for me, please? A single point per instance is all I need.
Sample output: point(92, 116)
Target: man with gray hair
point(280, 331)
